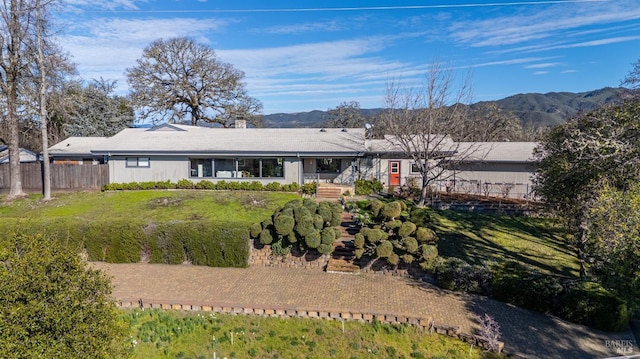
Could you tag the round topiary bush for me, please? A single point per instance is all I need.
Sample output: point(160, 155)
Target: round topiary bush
point(358, 241)
point(313, 240)
point(325, 248)
point(407, 258)
point(293, 203)
point(393, 259)
point(384, 249)
point(426, 235)
point(375, 235)
point(429, 252)
point(266, 237)
point(411, 245)
point(337, 233)
point(284, 224)
point(311, 205)
point(318, 222)
point(305, 226)
point(328, 235)
point(392, 225)
point(406, 229)
point(375, 206)
point(325, 211)
point(254, 230)
point(299, 212)
point(391, 210)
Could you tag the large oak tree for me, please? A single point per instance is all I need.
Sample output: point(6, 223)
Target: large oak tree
point(180, 80)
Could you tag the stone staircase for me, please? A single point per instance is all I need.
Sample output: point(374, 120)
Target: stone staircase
point(343, 255)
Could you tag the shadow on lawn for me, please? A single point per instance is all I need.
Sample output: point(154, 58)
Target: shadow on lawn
point(477, 238)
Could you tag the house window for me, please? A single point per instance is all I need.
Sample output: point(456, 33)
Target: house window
point(201, 167)
point(415, 168)
point(328, 165)
point(138, 162)
point(224, 168)
point(272, 167)
point(249, 167)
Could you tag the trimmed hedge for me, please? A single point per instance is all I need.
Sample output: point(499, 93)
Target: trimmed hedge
point(216, 244)
point(204, 185)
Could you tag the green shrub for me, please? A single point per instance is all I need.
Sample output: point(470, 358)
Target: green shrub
point(328, 235)
point(337, 233)
point(426, 235)
point(411, 245)
point(456, 274)
point(358, 241)
point(205, 184)
point(384, 249)
point(391, 210)
point(393, 259)
point(366, 187)
point(392, 225)
point(590, 304)
point(421, 216)
point(318, 221)
point(284, 224)
point(375, 206)
point(309, 188)
point(310, 204)
point(266, 237)
point(513, 283)
point(267, 223)
point(291, 187)
point(406, 229)
point(185, 184)
point(254, 230)
point(325, 248)
point(273, 186)
point(114, 241)
point(305, 226)
point(313, 240)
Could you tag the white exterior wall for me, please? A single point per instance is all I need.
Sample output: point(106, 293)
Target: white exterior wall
point(174, 169)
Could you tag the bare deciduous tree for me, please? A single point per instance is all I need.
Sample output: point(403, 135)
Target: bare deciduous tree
point(488, 122)
point(421, 122)
point(346, 115)
point(178, 79)
point(632, 80)
point(15, 24)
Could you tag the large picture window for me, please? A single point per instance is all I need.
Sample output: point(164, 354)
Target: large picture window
point(138, 162)
point(237, 168)
point(201, 167)
point(328, 165)
point(272, 167)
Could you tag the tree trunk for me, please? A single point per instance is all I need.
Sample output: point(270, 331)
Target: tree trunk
point(423, 192)
point(46, 170)
point(15, 179)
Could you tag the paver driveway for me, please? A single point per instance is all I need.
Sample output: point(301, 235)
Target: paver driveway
point(526, 333)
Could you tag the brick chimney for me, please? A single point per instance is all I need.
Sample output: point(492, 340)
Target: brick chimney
point(240, 123)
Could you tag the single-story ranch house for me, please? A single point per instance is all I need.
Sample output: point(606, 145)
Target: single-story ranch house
point(285, 155)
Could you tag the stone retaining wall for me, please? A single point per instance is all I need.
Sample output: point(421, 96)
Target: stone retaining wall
point(426, 323)
point(307, 260)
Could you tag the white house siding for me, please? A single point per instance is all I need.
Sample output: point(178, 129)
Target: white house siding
point(176, 168)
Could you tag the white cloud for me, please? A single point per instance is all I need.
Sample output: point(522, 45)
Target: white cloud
point(549, 23)
point(328, 26)
point(543, 65)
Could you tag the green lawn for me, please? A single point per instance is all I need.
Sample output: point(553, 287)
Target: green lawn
point(150, 206)
point(168, 334)
point(537, 242)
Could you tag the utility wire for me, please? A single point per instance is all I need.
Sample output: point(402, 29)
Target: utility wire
point(360, 8)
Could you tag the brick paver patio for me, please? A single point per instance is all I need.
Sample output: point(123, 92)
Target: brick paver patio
point(525, 333)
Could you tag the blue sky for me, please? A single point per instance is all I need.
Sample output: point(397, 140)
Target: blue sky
point(313, 55)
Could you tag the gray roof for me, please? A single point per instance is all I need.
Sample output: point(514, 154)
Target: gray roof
point(25, 155)
point(76, 146)
point(182, 139)
point(498, 151)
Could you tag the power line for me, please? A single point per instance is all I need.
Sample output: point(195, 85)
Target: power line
point(361, 8)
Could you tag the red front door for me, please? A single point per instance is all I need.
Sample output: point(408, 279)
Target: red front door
point(394, 173)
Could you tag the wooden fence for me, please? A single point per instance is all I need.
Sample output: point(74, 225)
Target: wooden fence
point(63, 177)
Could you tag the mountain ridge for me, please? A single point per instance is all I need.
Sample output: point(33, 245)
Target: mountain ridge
point(533, 109)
